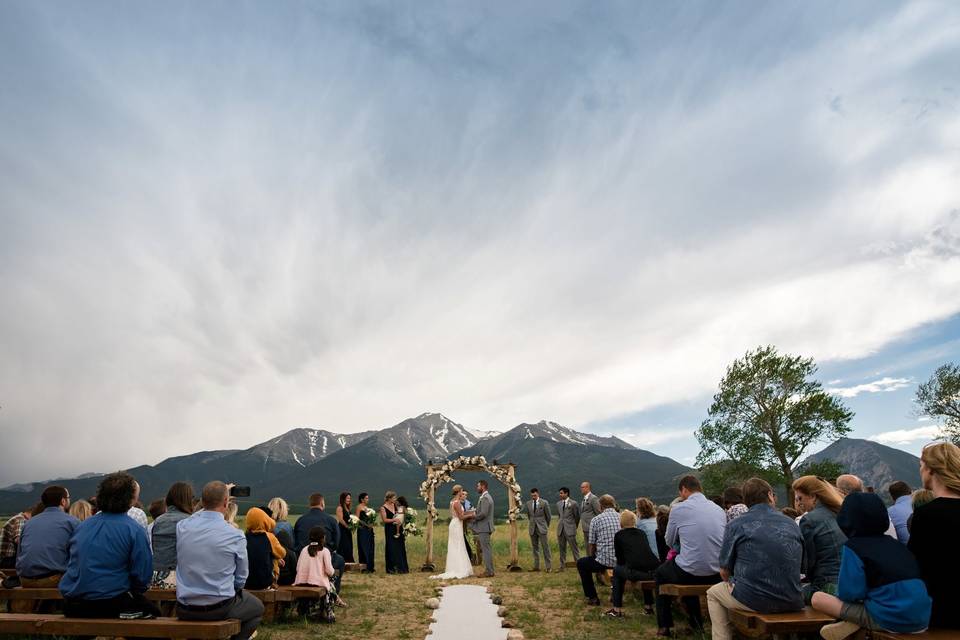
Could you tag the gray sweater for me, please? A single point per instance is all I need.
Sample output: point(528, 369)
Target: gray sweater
point(164, 539)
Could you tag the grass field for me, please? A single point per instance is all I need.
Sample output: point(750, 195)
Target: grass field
point(547, 606)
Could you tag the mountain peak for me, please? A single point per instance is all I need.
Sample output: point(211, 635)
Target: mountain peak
point(876, 464)
point(559, 433)
point(304, 445)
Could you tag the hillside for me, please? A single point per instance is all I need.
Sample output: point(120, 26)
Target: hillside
point(878, 465)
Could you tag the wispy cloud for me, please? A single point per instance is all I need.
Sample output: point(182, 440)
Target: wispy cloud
point(905, 437)
point(645, 438)
point(883, 385)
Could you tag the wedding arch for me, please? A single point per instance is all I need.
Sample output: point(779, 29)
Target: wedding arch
point(438, 474)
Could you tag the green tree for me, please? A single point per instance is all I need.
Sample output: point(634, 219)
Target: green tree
point(766, 413)
point(939, 397)
point(717, 476)
point(829, 470)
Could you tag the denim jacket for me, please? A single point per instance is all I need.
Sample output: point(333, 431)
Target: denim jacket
point(822, 545)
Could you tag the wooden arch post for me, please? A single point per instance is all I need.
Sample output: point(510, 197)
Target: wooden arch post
point(512, 504)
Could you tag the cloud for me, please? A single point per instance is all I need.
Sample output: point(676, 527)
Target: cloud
point(645, 438)
point(905, 437)
point(341, 216)
point(883, 385)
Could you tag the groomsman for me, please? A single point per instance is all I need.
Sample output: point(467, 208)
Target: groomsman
point(538, 511)
point(589, 509)
point(569, 514)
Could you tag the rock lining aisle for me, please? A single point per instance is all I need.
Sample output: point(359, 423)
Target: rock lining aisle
point(466, 613)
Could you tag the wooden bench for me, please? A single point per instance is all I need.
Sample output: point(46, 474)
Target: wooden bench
point(684, 590)
point(761, 625)
point(33, 624)
point(929, 634)
point(353, 566)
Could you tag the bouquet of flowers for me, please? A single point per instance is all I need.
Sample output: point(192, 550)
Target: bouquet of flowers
point(368, 518)
point(411, 528)
point(353, 522)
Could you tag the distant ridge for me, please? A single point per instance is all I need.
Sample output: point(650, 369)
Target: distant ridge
point(876, 464)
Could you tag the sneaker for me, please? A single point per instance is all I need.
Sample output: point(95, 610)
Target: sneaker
point(613, 613)
point(838, 630)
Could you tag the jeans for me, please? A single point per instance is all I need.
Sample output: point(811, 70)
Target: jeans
point(621, 576)
point(586, 567)
point(338, 565)
point(244, 607)
point(670, 573)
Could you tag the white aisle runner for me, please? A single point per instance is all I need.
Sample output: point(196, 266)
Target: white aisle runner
point(466, 613)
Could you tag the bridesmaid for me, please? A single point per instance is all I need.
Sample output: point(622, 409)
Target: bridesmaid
point(345, 547)
point(402, 506)
point(393, 544)
point(365, 537)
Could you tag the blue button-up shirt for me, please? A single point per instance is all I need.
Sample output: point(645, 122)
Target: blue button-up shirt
point(109, 555)
point(43, 543)
point(698, 525)
point(763, 550)
point(211, 559)
point(899, 514)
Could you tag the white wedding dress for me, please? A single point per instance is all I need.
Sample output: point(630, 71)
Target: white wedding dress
point(458, 560)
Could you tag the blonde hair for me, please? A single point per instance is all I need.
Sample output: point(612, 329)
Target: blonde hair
point(81, 510)
point(943, 460)
point(230, 515)
point(390, 496)
point(279, 508)
point(921, 497)
point(628, 519)
point(823, 491)
point(456, 490)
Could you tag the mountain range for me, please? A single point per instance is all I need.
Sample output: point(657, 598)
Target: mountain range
point(303, 461)
point(876, 464)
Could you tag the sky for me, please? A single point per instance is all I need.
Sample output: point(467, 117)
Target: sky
point(223, 220)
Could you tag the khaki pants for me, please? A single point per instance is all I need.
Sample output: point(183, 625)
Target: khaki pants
point(719, 600)
point(33, 606)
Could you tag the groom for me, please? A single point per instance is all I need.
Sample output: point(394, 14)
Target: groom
point(482, 526)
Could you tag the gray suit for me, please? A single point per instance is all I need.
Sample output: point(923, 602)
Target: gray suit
point(539, 515)
point(589, 509)
point(569, 514)
point(482, 527)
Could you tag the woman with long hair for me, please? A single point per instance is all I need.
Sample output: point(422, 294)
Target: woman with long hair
point(365, 535)
point(281, 511)
point(822, 538)
point(345, 546)
point(394, 552)
point(163, 535)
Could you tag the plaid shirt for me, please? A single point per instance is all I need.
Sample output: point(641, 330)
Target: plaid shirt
point(602, 530)
point(10, 536)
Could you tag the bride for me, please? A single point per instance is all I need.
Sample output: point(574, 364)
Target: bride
point(458, 560)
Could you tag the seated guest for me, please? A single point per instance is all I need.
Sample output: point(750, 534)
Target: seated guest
point(733, 503)
point(663, 518)
point(848, 484)
point(933, 538)
point(919, 498)
point(110, 563)
point(264, 551)
point(42, 558)
point(156, 509)
point(315, 568)
point(822, 537)
point(647, 521)
point(901, 510)
point(317, 517)
point(791, 513)
point(179, 506)
point(212, 566)
point(879, 586)
point(635, 559)
point(280, 511)
point(759, 562)
point(81, 510)
point(137, 513)
point(697, 525)
point(600, 550)
point(10, 539)
point(288, 570)
point(230, 515)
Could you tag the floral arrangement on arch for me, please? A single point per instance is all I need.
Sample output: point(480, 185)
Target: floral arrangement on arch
point(442, 474)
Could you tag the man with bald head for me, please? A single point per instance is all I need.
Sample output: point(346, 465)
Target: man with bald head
point(212, 566)
point(589, 509)
point(848, 484)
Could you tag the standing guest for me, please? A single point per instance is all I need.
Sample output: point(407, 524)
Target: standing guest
point(647, 521)
point(759, 561)
point(315, 568)
point(601, 552)
point(393, 546)
point(919, 498)
point(317, 517)
point(212, 566)
point(42, 558)
point(879, 586)
point(636, 561)
point(697, 525)
point(345, 548)
point(733, 503)
point(10, 539)
point(589, 508)
point(848, 484)
point(280, 511)
point(568, 514)
point(264, 551)
point(365, 535)
point(822, 537)
point(663, 519)
point(902, 508)
point(81, 510)
point(110, 564)
point(179, 505)
point(538, 513)
point(933, 538)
